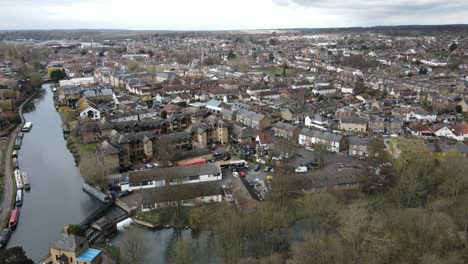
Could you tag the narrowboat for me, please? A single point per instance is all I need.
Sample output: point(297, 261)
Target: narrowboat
point(4, 237)
point(27, 127)
point(14, 217)
point(19, 197)
point(26, 183)
point(19, 180)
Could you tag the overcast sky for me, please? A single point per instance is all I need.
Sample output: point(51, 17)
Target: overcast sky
point(224, 14)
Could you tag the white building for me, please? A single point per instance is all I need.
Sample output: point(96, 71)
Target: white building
point(161, 177)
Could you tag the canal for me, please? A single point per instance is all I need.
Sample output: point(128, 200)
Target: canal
point(56, 197)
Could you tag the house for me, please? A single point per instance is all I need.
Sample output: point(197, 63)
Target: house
point(243, 135)
point(358, 146)
point(162, 177)
point(216, 106)
point(109, 155)
point(353, 124)
point(286, 130)
point(323, 90)
point(73, 249)
point(180, 140)
point(333, 142)
point(420, 130)
point(88, 130)
point(317, 121)
point(253, 119)
point(206, 133)
point(385, 124)
point(87, 108)
point(421, 115)
point(179, 122)
point(265, 139)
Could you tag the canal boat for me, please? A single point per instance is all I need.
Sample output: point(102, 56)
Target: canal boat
point(95, 192)
point(19, 180)
point(15, 163)
point(4, 237)
point(19, 197)
point(26, 183)
point(14, 154)
point(20, 135)
point(14, 217)
point(27, 127)
point(18, 142)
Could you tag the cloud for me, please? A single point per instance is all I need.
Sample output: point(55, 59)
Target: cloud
point(226, 14)
point(384, 11)
point(381, 6)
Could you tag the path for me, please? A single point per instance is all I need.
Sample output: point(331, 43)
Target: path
point(7, 193)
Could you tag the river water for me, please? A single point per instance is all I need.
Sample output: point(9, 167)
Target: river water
point(56, 197)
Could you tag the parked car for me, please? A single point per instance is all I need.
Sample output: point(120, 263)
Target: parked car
point(309, 148)
point(267, 169)
point(148, 166)
point(301, 169)
point(261, 161)
point(212, 146)
point(212, 160)
point(242, 174)
point(156, 165)
point(257, 167)
point(235, 174)
point(227, 157)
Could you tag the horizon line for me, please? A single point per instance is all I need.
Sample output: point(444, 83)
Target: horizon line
point(241, 29)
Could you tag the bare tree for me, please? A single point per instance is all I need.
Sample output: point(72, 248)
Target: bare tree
point(284, 148)
point(93, 169)
point(165, 152)
point(282, 182)
point(133, 248)
point(181, 253)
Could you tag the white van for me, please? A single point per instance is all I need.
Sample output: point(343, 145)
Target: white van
point(301, 169)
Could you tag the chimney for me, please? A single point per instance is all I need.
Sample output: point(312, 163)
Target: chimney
point(66, 230)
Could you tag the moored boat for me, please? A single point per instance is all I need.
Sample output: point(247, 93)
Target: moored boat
point(19, 180)
point(14, 217)
point(26, 183)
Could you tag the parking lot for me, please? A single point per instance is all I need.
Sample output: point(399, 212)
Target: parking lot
point(338, 168)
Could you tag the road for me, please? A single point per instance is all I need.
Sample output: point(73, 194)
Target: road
point(7, 193)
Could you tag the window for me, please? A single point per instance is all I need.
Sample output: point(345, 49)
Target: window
point(71, 260)
point(193, 178)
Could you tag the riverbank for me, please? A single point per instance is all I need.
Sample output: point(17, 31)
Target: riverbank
point(9, 188)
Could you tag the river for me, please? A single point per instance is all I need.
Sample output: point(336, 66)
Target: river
point(56, 197)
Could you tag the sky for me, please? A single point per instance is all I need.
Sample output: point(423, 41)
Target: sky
point(226, 14)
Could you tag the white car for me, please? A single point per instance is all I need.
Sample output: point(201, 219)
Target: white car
point(155, 165)
point(309, 148)
point(235, 174)
point(301, 169)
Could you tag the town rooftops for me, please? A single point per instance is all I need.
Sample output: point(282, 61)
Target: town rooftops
point(67, 242)
point(359, 141)
point(321, 135)
point(181, 172)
